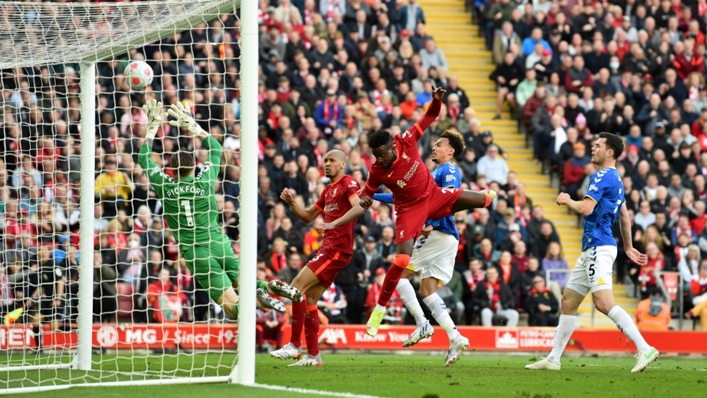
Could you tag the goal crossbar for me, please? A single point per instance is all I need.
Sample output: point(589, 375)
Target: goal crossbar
point(96, 39)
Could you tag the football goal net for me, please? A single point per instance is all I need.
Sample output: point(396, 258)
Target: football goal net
point(93, 286)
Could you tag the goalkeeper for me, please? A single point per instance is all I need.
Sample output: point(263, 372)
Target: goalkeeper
point(190, 208)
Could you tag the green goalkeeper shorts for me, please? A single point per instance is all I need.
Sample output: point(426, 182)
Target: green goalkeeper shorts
point(214, 265)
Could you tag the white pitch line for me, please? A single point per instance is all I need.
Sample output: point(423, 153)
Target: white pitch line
point(316, 392)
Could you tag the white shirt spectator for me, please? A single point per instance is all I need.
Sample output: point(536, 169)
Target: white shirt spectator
point(644, 220)
point(433, 56)
point(560, 138)
point(493, 166)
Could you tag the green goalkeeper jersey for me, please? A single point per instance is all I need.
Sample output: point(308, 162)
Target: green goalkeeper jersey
point(189, 203)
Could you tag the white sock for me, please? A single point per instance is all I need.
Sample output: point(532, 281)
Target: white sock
point(380, 308)
point(562, 336)
point(625, 324)
point(440, 314)
point(407, 295)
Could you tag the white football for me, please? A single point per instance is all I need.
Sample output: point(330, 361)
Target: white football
point(139, 75)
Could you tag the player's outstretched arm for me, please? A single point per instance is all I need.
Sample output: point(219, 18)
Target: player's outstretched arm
point(584, 207)
point(625, 226)
point(307, 215)
point(432, 111)
point(184, 119)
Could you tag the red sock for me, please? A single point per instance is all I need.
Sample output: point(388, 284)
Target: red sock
point(311, 330)
point(392, 277)
point(299, 311)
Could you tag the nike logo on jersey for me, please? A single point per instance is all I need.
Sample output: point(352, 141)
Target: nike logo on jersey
point(391, 173)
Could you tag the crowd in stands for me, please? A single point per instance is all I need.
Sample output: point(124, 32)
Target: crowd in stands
point(330, 73)
point(633, 68)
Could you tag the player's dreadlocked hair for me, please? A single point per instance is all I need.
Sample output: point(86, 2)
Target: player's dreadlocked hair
point(455, 141)
point(614, 143)
point(379, 138)
point(182, 163)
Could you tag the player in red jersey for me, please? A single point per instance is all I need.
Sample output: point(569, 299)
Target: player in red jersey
point(337, 199)
point(416, 196)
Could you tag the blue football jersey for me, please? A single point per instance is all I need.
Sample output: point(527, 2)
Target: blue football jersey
point(447, 175)
point(607, 191)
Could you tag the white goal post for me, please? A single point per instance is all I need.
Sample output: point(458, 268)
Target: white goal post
point(34, 38)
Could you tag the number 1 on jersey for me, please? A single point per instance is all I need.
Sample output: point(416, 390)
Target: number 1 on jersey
point(187, 211)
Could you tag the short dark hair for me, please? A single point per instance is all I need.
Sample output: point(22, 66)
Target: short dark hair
point(614, 143)
point(182, 163)
point(379, 138)
point(455, 140)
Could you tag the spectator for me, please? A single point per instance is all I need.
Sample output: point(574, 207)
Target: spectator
point(573, 170)
point(509, 273)
point(493, 166)
point(269, 325)
point(492, 298)
point(105, 293)
point(542, 304)
point(431, 56)
point(294, 265)
point(554, 260)
point(526, 88)
point(541, 243)
point(507, 76)
point(332, 304)
point(497, 14)
point(648, 273)
point(536, 37)
point(113, 188)
point(329, 113)
point(652, 313)
point(536, 222)
point(503, 41)
point(410, 16)
point(644, 217)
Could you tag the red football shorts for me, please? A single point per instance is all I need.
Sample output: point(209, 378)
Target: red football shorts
point(326, 264)
point(410, 221)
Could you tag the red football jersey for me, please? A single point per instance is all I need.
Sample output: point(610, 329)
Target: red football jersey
point(408, 177)
point(334, 202)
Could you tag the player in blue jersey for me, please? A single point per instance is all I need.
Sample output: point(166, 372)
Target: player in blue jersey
point(601, 205)
point(434, 253)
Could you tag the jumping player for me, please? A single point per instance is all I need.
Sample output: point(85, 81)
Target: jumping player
point(434, 255)
point(337, 248)
point(593, 272)
point(190, 208)
point(415, 195)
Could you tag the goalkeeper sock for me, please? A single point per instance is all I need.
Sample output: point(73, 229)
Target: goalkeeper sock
point(311, 330)
point(625, 324)
point(440, 314)
point(407, 295)
point(562, 336)
point(299, 311)
point(262, 285)
point(392, 277)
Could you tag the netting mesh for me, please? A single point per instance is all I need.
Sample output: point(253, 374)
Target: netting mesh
point(152, 318)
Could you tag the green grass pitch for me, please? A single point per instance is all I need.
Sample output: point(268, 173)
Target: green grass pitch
point(404, 376)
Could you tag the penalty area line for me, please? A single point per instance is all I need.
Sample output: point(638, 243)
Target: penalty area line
point(308, 391)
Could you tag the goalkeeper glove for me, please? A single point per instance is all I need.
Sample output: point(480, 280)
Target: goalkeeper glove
point(155, 117)
point(184, 118)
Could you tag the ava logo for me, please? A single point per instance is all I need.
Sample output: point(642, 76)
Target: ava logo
point(333, 336)
point(506, 339)
point(402, 183)
point(107, 336)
